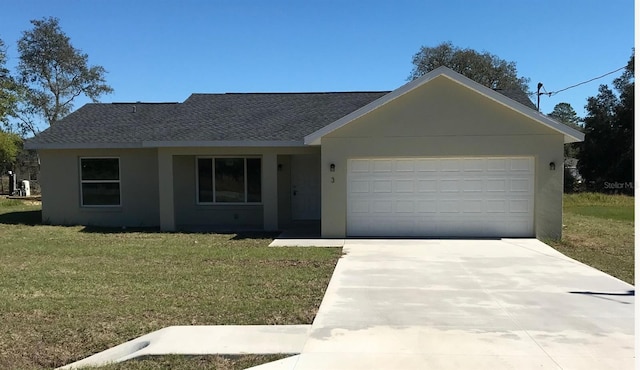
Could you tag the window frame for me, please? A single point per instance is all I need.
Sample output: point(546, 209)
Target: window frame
point(213, 180)
point(118, 181)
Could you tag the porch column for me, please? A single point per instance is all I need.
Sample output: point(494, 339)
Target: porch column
point(165, 190)
point(270, 191)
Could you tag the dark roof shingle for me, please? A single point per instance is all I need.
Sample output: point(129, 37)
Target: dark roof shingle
point(205, 117)
point(283, 117)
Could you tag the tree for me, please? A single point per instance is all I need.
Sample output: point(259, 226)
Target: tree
point(484, 68)
point(54, 73)
point(10, 146)
point(564, 113)
point(8, 89)
point(606, 158)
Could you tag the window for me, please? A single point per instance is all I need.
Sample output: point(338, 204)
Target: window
point(229, 180)
point(100, 181)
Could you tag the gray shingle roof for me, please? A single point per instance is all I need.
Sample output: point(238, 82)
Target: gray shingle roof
point(97, 123)
point(519, 96)
point(283, 117)
point(204, 117)
point(269, 117)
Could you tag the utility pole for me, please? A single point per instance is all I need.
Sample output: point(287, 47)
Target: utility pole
point(539, 87)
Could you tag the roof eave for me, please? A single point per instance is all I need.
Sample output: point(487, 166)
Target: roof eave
point(46, 146)
point(223, 143)
point(166, 144)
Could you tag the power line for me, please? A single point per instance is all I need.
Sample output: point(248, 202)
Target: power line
point(581, 83)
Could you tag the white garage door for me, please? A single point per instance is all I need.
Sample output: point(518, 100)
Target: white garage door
point(447, 197)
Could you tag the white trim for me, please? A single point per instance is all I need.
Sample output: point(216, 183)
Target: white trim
point(118, 181)
point(213, 180)
point(38, 146)
point(222, 143)
point(570, 135)
point(167, 144)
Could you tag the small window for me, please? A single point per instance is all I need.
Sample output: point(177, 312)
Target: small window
point(229, 180)
point(100, 181)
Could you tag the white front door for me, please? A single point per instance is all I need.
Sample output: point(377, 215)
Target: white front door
point(450, 197)
point(305, 187)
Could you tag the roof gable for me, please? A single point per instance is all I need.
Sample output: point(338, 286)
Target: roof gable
point(570, 134)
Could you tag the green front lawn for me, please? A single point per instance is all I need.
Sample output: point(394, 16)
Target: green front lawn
point(599, 231)
point(69, 292)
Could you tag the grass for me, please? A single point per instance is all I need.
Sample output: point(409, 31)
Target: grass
point(193, 362)
point(599, 231)
point(69, 292)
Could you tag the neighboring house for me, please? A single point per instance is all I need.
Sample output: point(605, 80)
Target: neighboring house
point(571, 164)
point(439, 156)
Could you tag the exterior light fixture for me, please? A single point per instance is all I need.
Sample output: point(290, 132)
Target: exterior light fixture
point(552, 166)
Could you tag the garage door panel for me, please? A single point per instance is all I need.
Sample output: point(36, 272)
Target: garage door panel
point(427, 186)
point(497, 185)
point(474, 165)
point(496, 206)
point(382, 166)
point(425, 165)
point(404, 186)
point(405, 206)
point(520, 185)
point(360, 187)
point(449, 165)
point(359, 206)
point(449, 185)
point(519, 206)
point(359, 165)
point(521, 165)
point(448, 206)
point(382, 206)
point(382, 186)
point(472, 185)
point(404, 165)
point(440, 197)
point(427, 206)
point(473, 206)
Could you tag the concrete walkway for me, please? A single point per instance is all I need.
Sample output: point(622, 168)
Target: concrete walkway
point(205, 340)
point(435, 304)
point(467, 304)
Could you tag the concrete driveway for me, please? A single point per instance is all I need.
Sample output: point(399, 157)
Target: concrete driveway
point(468, 304)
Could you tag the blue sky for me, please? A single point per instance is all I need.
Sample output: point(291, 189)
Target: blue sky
point(165, 50)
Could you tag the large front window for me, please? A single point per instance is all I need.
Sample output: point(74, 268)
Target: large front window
point(100, 181)
point(229, 180)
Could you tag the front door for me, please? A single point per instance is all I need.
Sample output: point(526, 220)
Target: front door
point(305, 187)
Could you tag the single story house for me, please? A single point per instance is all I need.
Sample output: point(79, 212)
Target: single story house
point(441, 156)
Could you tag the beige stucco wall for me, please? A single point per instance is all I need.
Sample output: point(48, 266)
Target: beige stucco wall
point(188, 213)
point(184, 211)
point(158, 189)
point(59, 179)
point(439, 119)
